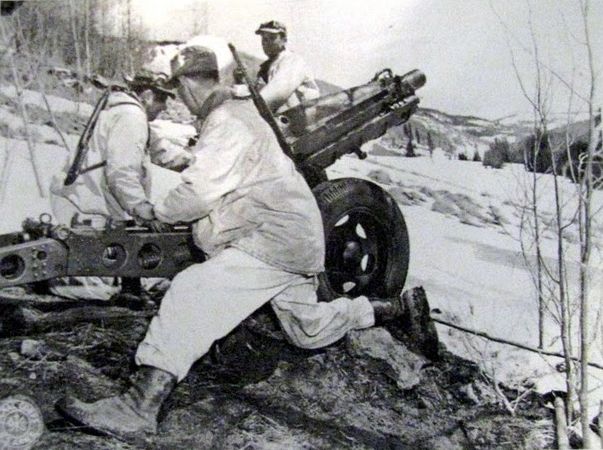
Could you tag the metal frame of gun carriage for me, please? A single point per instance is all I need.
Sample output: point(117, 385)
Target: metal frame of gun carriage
point(366, 236)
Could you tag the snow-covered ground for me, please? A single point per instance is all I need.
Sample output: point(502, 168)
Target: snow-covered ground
point(463, 224)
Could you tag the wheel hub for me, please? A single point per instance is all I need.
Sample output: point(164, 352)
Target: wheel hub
point(356, 251)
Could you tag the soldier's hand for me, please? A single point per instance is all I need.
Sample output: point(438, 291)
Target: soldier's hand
point(144, 211)
point(238, 75)
point(157, 226)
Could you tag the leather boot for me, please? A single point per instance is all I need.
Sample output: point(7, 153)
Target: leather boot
point(408, 319)
point(387, 309)
point(131, 416)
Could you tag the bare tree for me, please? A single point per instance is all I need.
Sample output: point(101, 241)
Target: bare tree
point(586, 229)
point(10, 45)
point(87, 13)
point(73, 19)
point(571, 211)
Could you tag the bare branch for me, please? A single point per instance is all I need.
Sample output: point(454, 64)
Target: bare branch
point(522, 47)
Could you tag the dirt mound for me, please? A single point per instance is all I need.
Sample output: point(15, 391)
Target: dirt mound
point(256, 391)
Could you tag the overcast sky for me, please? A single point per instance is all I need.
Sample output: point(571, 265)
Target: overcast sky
point(463, 46)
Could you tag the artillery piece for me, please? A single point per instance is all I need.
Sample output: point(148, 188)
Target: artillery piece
point(366, 236)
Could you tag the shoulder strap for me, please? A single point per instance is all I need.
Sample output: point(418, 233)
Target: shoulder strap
point(263, 72)
point(82, 147)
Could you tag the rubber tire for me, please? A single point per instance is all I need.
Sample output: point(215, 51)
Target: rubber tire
point(386, 227)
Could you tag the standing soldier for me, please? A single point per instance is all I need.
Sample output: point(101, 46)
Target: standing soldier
point(284, 79)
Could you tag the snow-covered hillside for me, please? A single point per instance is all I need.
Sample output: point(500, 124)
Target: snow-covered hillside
point(463, 221)
point(455, 135)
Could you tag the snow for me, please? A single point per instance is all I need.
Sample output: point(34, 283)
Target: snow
point(477, 275)
point(39, 133)
point(58, 104)
point(471, 267)
point(479, 122)
point(558, 119)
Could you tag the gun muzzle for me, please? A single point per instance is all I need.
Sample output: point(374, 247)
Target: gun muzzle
point(411, 81)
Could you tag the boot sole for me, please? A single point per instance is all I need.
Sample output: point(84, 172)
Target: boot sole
point(65, 406)
point(419, 327)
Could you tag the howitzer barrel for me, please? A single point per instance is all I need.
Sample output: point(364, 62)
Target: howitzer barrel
point(413, 80)
point(340, 123)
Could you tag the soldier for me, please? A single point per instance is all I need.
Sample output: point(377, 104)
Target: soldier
point(284, 80)
point(259, 224)
point(117, 186)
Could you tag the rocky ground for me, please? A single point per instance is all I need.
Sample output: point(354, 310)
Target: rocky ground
point(255, 391)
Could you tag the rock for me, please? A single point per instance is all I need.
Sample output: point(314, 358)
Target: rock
point(395, 359)
point(31, 348)
point(380, 176)
point(407, 196)
point(444, 206)
point(14, 356)
point(454, 441)
point(424, 403)
point(467, 393)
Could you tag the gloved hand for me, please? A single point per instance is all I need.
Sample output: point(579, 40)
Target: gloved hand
point(157, 226)
point(144, 215)
point(144, 211)
point(238, 76)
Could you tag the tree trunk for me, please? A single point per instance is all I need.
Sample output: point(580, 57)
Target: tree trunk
point(74, 34)
point(87, 37)
point(561, 425)
point(586, 245)
point(21, 105)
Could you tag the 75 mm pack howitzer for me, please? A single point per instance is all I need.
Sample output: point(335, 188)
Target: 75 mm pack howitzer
point(366, 236)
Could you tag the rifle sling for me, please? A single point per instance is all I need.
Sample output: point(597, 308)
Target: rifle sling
point(82, 149)
point(93, 167)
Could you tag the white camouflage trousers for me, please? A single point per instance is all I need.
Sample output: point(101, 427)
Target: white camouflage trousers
point(207, 301)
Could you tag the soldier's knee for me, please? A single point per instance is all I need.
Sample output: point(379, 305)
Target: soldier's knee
point(303, 340)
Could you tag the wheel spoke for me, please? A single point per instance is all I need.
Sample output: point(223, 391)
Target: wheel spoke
point(338, 278)
point(347, 228)
point(355, 252)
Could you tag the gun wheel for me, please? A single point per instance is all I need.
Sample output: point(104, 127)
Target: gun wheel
point(367, 246)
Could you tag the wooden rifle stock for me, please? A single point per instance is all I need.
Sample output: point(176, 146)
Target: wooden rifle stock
point(261, 105)
point(82, 145)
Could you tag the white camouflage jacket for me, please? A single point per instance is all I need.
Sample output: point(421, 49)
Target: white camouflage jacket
point(120, 138)
point(286, 81)
point(242, 191)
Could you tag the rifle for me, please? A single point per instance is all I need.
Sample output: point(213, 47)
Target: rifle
point(81, 151)
point(261, 105)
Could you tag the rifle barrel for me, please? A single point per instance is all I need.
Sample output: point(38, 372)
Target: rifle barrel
point(261, 105)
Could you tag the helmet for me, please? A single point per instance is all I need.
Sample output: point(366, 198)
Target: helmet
point(207, 55)
point(273, 27)
point(146, 79)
